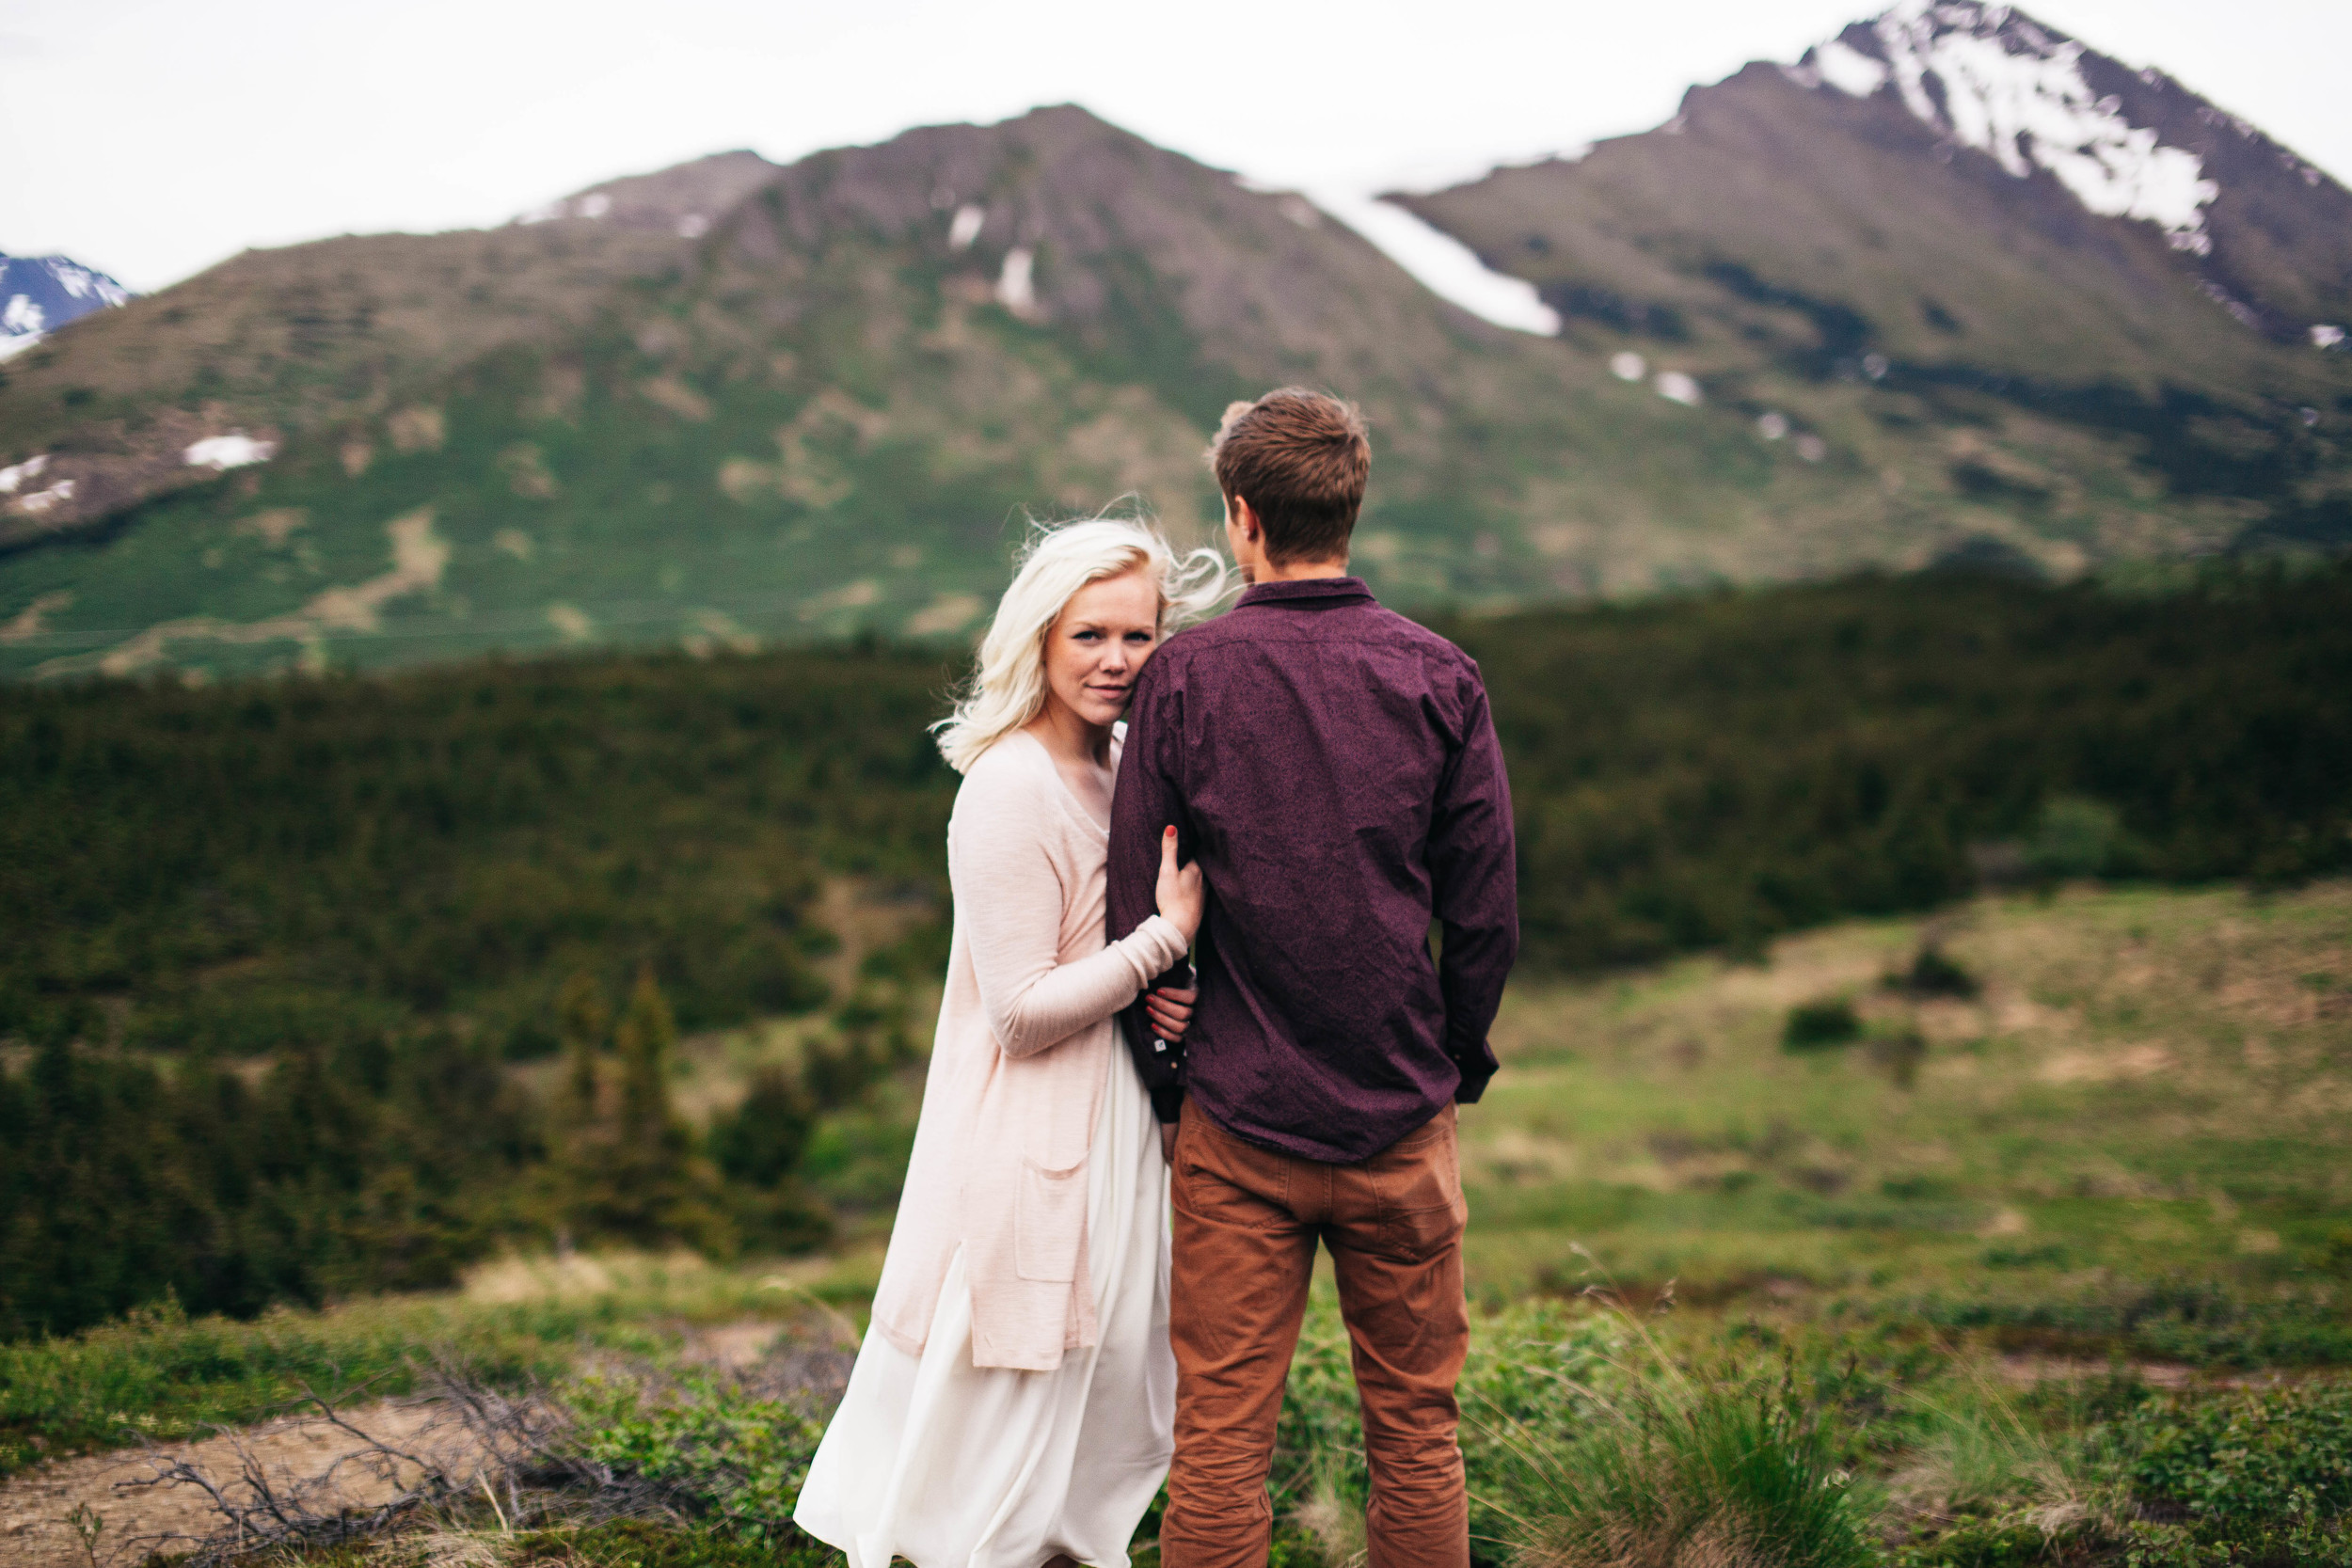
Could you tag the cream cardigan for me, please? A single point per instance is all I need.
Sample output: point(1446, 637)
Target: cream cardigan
point(1017, 1068)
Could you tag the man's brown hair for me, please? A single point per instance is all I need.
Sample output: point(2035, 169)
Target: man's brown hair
point(1300, 459)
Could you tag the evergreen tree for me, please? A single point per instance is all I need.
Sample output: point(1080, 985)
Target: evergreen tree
point(758, 1148)
point(630, 1171)
point(649, 1129)
point(583, 1022)
point(759, 1144)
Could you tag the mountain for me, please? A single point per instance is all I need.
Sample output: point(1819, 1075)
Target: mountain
point(1805, 329)
point(275, 342)
point(40, 294)
point(831, 408)
point(1954, 219)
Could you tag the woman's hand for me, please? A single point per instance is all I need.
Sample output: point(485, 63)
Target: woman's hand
point(1180, 893)
point(1171, 1011)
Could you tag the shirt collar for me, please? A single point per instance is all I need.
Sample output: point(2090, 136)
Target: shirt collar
point(1331, 590)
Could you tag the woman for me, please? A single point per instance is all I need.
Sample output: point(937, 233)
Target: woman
point(1013, 1404)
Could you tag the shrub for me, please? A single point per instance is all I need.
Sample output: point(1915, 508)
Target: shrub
point(1933, 973)
point(1899, 1052)
point(644, 1543)
point(760, 1141)
point(2268, 1458)
point(2075, 837)
point(740, 1458)
point(1821, 1025)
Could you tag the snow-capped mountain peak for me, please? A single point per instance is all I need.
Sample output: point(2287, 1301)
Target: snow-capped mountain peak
point(40, 294)
point(1991, 78)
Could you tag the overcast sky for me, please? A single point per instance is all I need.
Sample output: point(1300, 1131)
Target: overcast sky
point(151, 138)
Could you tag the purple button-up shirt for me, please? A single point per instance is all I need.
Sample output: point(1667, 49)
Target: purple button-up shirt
point(1334, 770)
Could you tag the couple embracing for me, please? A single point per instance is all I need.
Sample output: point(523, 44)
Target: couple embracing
point(1304, 785)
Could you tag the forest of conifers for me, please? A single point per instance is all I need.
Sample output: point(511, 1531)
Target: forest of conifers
point(268, 950)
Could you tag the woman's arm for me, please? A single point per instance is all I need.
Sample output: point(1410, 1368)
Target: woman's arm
point(1011, 899)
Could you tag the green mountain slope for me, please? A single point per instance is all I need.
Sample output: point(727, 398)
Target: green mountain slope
point(279, 341)
point(733, 402)
point(825, 414)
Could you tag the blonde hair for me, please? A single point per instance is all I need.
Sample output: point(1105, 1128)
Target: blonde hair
point(1008, 686)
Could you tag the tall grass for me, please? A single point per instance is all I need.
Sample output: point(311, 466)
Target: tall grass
point(1652, 1464)
point(1588, 1442)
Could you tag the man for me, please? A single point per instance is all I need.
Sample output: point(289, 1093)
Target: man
point(1333, 769)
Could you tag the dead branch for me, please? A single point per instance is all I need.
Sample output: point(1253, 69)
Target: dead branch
point(520, 1452)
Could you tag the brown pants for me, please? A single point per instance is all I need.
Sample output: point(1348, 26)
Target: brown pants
point(1248, 1221)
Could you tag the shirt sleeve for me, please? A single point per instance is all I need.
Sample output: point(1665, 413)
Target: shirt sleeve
point(1003, 874)
point(1143, 805)
point(1474, 875)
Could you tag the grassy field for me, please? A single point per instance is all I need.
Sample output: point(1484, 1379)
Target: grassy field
point(2049, 1261)
point(2145, 1082)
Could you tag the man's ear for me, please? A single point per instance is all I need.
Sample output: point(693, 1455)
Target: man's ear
point(1245, 518)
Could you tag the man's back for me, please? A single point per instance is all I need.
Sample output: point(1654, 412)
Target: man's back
point(1333, 768)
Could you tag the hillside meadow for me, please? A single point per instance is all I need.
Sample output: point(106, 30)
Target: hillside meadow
point(2049, 1262)
point(1926, 1079)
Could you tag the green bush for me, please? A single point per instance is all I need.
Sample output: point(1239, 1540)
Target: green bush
point(2013, 1539)
point(1821, 1025)
point(2260, 1458)
point(644, 1543)
point(2075, 837)
point(759, 1143)
point(736, 1458)
point(1933, 973)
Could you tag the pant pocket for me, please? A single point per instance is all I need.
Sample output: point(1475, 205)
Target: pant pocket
point(1223, 1182)
point(1049, 1215)
point(1420, 1188)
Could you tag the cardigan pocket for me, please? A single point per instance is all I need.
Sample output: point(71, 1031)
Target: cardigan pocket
point(1048, 1217)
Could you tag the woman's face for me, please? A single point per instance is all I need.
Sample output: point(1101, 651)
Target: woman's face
point(1096, 647)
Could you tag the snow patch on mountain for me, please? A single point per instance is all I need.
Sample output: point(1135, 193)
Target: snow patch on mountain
point(1849, 70)
point(42, 501)
point(1676, 386)
point(1443, 264)
point(234, 450)
point(1991, 79)
point(40, 294)
point(1016, 286)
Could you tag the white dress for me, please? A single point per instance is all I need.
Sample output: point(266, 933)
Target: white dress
point(950, 1466)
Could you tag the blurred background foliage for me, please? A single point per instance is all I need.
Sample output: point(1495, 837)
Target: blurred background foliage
point(330, 983)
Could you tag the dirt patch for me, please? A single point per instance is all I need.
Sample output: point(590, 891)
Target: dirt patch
point(2102, 1066)
point(37, 1527)
point(26, 623)
point(2025, 1370)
